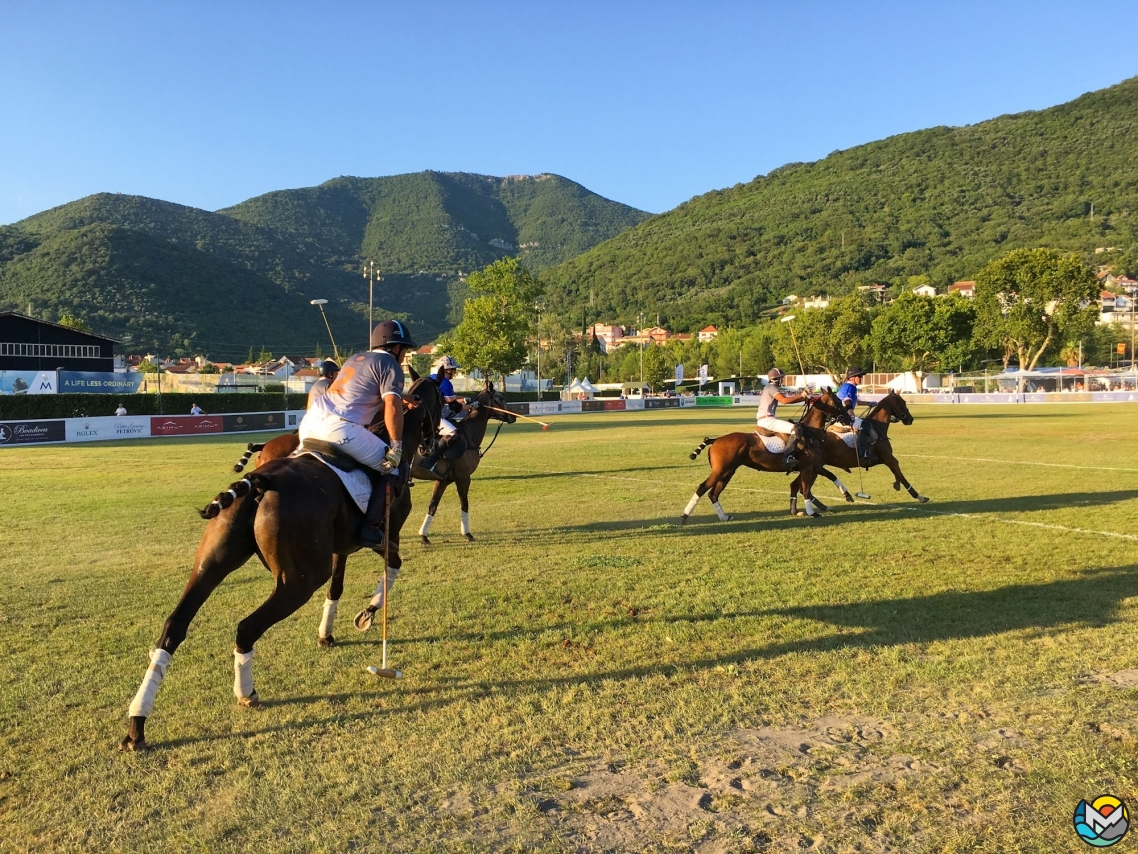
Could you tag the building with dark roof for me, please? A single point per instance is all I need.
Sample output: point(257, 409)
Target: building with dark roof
point(28, 344)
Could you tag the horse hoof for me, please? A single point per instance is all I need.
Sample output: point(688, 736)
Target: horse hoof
point(799, 513)
point(924, 499)
point(469, 538)
point(848, 497)
point(250, 702)
point(326, 643)
point(822, 507)
point(363, 620)
point(133, 746)
point(683, 520)
point(425, 541)
point(896, 487)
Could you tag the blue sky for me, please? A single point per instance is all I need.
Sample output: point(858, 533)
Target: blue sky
point(645, 103)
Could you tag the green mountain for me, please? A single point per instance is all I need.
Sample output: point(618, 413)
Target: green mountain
point(188, 280)
point(938, 203)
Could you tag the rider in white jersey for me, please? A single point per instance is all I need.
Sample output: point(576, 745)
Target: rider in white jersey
point(366, 382)
point(771, 397)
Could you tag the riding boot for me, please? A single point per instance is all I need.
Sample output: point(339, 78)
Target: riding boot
point(865, 440)
point(371, 531)
point(433, 460)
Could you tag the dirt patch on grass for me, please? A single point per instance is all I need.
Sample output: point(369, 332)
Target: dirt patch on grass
point(1119, 679)
point(764, 792)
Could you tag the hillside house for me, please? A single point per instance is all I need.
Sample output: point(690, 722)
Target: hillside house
point(708, 333)
point(925, 291)
point(816, 301)
point(608, 335)
point(965, 289)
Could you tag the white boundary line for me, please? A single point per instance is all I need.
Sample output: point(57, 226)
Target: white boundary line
point(901, 508)
point(1017, 462)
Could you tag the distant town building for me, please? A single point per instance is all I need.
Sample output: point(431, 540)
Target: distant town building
point(28, 344)
point(925, 291)
point(816, 301)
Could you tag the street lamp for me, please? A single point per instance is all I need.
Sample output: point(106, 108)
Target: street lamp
point(369, 274)
point(320, 303)
point(640, 334)
point(537, 306)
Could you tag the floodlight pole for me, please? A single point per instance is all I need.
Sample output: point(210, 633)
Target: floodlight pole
point(537, 306)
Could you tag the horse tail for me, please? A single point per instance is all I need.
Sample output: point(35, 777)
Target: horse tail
point(250, 449)
point(235, 491)
point(707, 440)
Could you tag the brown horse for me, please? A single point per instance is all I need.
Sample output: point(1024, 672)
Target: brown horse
point(294, 514)
point(733, 450)
point(890, 409)
point(472, 429)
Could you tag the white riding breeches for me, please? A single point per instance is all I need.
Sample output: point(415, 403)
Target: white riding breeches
point(446, 428)
point(775, 425)
point(352, 439)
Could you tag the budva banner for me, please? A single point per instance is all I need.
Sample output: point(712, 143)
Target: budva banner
point(92, 382)
point(27, 382)
point(29, 432)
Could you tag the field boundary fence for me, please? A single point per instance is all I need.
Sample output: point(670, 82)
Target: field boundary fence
point(42, 431)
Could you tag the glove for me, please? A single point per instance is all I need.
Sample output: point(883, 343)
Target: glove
point(392, 458)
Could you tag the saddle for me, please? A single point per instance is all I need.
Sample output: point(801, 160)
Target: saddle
point(776, 443)
point(330, 453)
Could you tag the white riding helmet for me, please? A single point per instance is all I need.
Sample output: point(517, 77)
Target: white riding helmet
point(445, 363)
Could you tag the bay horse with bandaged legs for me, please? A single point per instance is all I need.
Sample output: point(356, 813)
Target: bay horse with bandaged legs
point(426, 392)
point(295, 515)
point(733, 450)
point(837, 452)
point(472, 429)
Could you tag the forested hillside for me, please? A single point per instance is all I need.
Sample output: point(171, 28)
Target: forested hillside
point(188, 280)
point(938, 203)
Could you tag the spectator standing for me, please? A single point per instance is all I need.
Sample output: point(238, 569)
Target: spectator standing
point(121, 411)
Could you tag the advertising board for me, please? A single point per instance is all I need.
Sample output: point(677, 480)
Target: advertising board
point(31, 432)
point(107, 427)
point(185, 425)
point(27, 382)
point(253, 421)
point(93, 382)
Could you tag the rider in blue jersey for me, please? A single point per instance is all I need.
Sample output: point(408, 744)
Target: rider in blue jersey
point(445, 368)
point(847, 394)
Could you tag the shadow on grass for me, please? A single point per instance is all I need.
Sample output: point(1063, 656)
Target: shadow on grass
point(1090, 599)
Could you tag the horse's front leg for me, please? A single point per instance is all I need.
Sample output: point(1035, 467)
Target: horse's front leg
point(228, 542)
point(886, 456)
point(324, 636)
point(436, 496)
point(833, 478)
point(462, 484)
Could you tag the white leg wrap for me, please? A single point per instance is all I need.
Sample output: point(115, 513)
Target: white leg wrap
point(143, 701)
point(723, 517)
point(377, 599)
point(810, 507)
point(691, 504)
point(841, 486)
point(425, 528)
point(242, 674)
point(329, 618)
point(465, 523)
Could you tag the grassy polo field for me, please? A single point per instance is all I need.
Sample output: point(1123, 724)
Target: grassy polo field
point(588, 675)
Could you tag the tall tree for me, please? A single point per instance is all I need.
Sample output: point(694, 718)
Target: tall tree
point(1029, 298)
point(829, 339)
point(497, 319)
point(917, 333)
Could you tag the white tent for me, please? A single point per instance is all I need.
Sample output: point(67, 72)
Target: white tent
point(906, 383)
point(588, 387)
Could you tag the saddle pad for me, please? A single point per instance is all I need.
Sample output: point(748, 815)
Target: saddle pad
point(355, 481)
point(776, 444)
point(849, 438)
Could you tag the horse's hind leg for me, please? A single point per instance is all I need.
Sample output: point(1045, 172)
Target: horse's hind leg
point(716, 491)
point(716, 481)
point(833, 478)
point(324, 636)
point(228, 542)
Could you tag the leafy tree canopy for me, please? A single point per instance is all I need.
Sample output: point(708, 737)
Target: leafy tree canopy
point(498, 318)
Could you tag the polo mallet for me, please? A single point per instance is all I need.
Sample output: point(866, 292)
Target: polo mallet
point(794, 341)
point(861, 484)
point(544, 425)
point(384, 671)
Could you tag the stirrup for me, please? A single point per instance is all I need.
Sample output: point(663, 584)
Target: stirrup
point(371, 538)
